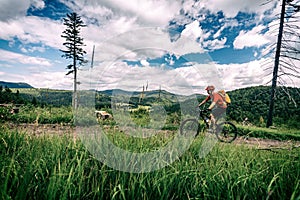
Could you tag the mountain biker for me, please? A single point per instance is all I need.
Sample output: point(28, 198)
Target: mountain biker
point(218, 105)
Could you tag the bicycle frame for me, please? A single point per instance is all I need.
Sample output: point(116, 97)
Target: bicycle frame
point(224, 130)
point(205, 116)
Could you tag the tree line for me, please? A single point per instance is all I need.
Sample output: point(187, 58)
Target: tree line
point(247, 103)
point(252, 103)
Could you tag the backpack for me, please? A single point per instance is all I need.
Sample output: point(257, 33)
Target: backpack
point(224, 96)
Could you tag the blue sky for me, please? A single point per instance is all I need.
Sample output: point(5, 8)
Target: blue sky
point(179, 46)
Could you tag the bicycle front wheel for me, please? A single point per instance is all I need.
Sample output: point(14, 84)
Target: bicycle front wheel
point(226, 132)
point(189, 127)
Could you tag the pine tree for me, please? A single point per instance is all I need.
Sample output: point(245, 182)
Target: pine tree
point(74, 48)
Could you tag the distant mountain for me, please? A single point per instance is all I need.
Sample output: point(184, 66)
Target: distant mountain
point(147, 94)
point(14, 85)
point(116, 92)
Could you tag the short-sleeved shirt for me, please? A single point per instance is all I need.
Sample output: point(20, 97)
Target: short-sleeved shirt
point(217, 99)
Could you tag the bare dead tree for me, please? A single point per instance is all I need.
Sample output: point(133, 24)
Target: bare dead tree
point(287, 52)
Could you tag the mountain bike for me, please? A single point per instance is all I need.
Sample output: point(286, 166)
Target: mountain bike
point(225, 131)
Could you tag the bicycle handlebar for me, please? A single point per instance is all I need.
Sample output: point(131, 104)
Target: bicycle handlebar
point(203, 110)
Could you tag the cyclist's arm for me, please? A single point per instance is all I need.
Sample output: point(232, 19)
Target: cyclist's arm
point(204, 101)
point(212, 105)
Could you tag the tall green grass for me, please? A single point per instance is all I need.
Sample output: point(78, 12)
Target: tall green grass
point(46, 115)
point(277, 133)
point(53, 167)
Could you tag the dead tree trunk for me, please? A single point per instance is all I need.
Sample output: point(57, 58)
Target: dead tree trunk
point(276, 64)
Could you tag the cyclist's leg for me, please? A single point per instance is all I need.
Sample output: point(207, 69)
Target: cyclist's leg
point(218, 113)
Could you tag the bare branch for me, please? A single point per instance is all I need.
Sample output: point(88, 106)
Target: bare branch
point(286, 56)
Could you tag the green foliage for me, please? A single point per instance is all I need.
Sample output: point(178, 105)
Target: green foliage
point(253, 103)
point(5, 114)
point(8, 96)
point(102, 101)
point(140, 117)
point(74, 42)
point(46, 115)
point(46, 97)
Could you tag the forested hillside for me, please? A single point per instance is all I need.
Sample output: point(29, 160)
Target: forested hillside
point(253, 103)
point(14, 85)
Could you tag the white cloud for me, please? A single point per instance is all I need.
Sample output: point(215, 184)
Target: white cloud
point(153, 12)
point(31, 49)
point(145, 63)
point(252, 38)
point(11, 57)
point(193, 30)
point(236, 76)
point(144, 43)
point(132, 78)
point(53, 80)
point(231, 8)
point(215, 44)
point(38, 4)
point(184, 80)
point(33, 30)
point(150, 12)
point(12, 9)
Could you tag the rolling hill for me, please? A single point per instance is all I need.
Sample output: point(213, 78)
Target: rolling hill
point(14, 85)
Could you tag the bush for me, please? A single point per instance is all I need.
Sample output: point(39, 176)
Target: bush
point(5, 114)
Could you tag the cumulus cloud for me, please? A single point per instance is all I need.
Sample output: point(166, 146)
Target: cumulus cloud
point(236, 76)
point(38, 4)
point(185, 80)
point(193, 30)
point(150, 12)
point(252, 38)
point(33, 29)
point(144, 43)
point(132, 78)
point(231, 8)
point(215, 44)
point(11, 57)
point(12, 9)
point(156, 13)
point(53, 80)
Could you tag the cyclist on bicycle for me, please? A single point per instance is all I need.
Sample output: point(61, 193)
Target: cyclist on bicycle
point(218, 105)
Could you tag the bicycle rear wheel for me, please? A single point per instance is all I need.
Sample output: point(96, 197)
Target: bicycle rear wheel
point(189, 127)
point(226, 132)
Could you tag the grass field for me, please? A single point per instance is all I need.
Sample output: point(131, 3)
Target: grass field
point(59, 167)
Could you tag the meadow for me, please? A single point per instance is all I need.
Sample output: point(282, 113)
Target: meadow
point(60, 167)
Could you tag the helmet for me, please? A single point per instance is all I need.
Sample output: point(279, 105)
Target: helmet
point(210, 87)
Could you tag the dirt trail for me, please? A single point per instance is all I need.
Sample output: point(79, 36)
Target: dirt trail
point(58, 129)
point(41, 129)
point(266, 144)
